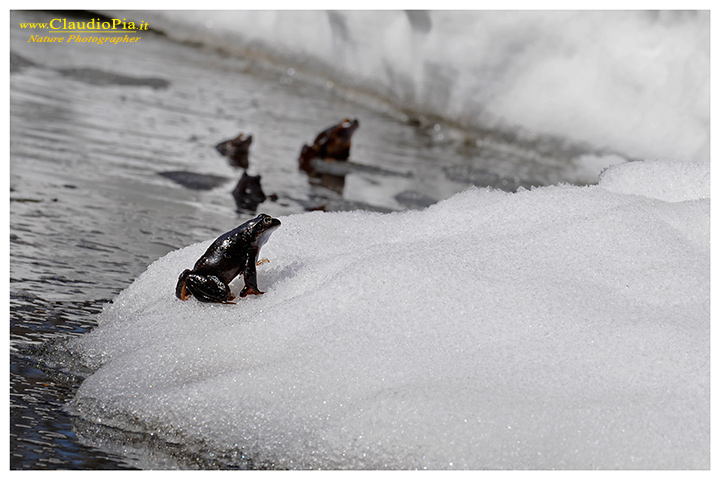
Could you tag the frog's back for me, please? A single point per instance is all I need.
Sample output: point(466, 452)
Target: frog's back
point(226, 254)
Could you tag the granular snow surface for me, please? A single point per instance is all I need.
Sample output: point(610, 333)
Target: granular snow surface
point(561, 327)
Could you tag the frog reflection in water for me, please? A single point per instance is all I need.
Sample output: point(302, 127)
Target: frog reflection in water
point(233, 253)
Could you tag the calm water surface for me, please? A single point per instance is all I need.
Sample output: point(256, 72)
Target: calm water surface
point(94, 131)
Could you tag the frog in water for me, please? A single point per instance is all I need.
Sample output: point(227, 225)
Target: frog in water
point(332, 143)
point(233, 253)
point(237, 150)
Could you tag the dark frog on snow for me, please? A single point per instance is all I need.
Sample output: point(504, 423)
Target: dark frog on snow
point(233, 253)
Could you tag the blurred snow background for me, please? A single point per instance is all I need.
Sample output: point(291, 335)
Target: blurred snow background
point(636, 83)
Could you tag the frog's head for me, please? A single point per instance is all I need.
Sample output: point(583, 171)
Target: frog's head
point(348, 127)
point(242, 142)
point(239, 144)
point(261, 227)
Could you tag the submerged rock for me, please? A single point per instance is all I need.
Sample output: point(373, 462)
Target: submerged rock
point(194, 181)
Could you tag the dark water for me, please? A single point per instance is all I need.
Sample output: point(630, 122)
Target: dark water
point(98, 134)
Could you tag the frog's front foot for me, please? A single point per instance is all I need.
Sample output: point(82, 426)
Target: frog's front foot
point(250, 290)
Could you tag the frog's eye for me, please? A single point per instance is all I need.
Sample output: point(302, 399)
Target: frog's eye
point(267, 220)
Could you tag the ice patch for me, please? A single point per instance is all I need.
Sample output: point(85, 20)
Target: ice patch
point(559, 327)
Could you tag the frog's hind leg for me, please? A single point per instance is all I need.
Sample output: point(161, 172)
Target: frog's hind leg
point(208, 288)
point(181, 287)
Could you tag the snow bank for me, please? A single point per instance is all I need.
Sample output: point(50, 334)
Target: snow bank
point(633, 82)
point(562, 327)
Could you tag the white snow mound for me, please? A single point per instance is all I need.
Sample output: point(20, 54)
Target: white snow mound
point(561, 327)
